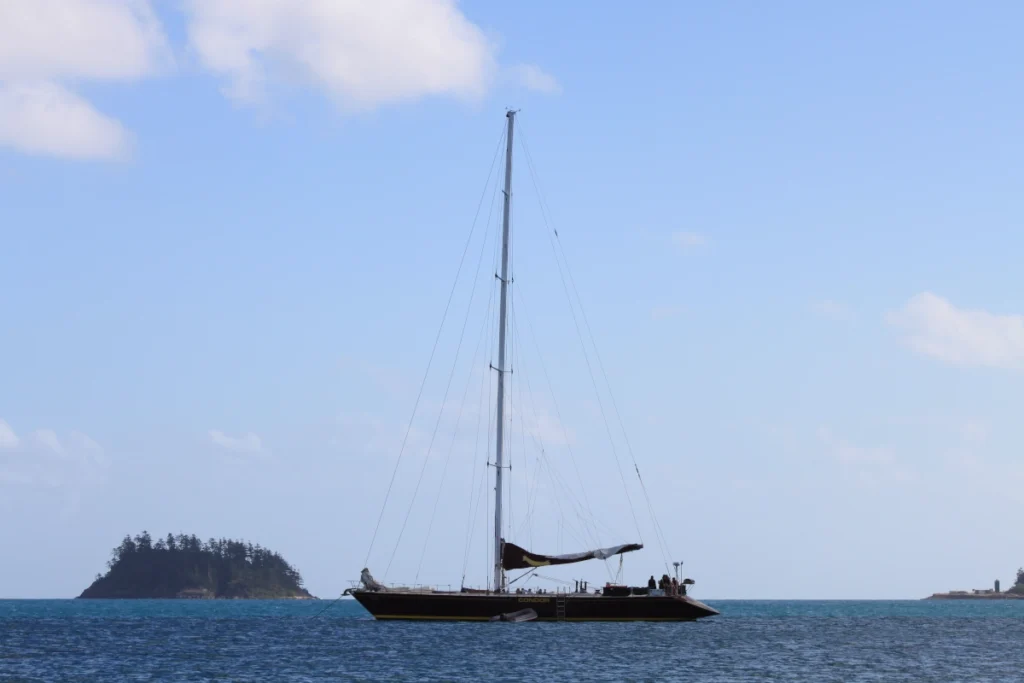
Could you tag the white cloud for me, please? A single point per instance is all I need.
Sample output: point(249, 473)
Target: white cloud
point(975, 431)
point(47, 438)
point(935, 327)
point(44, 43)
point(832, 309)
point(89, 449)
point(247, 443)
point(8, 439)
point(548, 430)
point(44, 459)
point(369, 434)
point(533, 77)
point(848, 453)
point(45, 118)
point(664, 312)
point(688, 239)
point(80, 39)
point(361, 53)
point(870, 465)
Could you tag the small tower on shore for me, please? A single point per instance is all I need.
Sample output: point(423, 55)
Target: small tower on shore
point(997, 585)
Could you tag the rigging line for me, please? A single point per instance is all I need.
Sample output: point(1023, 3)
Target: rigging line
point(558, 412)
point(510, 350)
point(475, 511)
point(486, 402)
point(509, 519)
point(558, 500)
point(525, 399)
point(552, 579)
point(476, 351)
point(581, 512)
point(471, 513)
point(487, 546)
point(564, 519)
point(540, 445)
point(530, 493)
point(451, 447)
point(554, 401)
point(522, 576)
point(531, 496)
point(600, 403)
point(328, 606)
point(440, 412)
point(558, 487)
point(583, 345)
point(659, 534)
point(433, 350)
point(491, 416)
point(556, 481)
point(507, 446)
point(588, 526)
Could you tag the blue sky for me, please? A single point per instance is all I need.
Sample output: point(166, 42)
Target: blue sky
point(229, 231)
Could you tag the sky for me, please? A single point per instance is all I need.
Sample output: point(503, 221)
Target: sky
point(229, 230)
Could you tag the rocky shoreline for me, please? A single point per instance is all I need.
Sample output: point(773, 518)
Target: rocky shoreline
point(1015, 592)
point(965, 595)
point(206, 594)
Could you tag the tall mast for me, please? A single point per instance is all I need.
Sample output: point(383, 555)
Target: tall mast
point(502, 324)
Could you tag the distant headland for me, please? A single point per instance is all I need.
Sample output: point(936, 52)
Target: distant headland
point(1015, 592)
point(184, 567)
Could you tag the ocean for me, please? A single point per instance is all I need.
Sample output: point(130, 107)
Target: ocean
point(806, 641)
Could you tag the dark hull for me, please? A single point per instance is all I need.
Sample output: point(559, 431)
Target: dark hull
point(413, 605)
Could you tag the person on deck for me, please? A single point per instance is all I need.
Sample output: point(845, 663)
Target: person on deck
point(675, 586)
point(651, 583)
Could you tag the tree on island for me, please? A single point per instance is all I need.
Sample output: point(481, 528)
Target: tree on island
point(184, 566)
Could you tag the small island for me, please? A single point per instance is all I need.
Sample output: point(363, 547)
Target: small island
point(1016, 592)
point(184, 567)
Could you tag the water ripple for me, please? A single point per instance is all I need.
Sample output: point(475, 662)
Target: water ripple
point(278, 641)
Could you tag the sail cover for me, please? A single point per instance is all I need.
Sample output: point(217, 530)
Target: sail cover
point(514, 557)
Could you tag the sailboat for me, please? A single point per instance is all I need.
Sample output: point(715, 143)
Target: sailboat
point(498, 602)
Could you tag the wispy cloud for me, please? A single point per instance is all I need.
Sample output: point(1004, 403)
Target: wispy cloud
point(664, 312)
point(43, 458)
point(871, 465)
point(688, 240)
point(47, 438)
point(534, 78)
point(832, 309)
point(247, 443)
point(390, 380)
point(548, 430)
point(972, 430)
point(975, 431)
point(8, 439)
point(933, 326)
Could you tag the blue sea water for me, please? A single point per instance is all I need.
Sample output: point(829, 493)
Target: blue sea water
point(78, 640)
